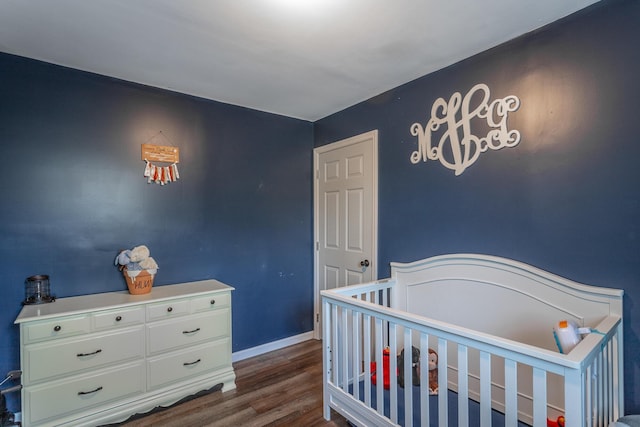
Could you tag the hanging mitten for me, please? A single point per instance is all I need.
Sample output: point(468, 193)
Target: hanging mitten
point(152, 173)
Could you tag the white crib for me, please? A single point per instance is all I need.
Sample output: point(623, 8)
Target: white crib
point(490, 320)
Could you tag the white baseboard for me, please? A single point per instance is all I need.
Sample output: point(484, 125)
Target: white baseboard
point(271, 346)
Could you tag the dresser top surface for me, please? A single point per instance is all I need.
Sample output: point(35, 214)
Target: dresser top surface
point(109, 300)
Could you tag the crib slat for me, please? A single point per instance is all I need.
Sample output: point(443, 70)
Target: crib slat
point(573, 398)
point(355, 368)
point(424, 379)
point(326, 359)
point(606, 381)
point(605, 390)
point(334, 344)
point(510, 392)
point(381, 298)
point(408, 379)
point(443, 383)
point(539, 397)
point(485, 389)
point(612, 381)
point(595, 393)
point(618, 385)
point(366, 322)
point(378, 345)
point(393, 363)
point(344, 354)
point(611, 384)
point(600, 391)
point(589, 391)
point(393, 395)
point(463, 386)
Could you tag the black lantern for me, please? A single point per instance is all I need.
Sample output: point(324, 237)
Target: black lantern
point(37, 290)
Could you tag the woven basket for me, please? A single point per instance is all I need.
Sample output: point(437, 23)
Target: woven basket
point(138, 284)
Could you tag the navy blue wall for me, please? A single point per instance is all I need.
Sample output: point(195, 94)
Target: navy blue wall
point(566, 199)
point(73, 194)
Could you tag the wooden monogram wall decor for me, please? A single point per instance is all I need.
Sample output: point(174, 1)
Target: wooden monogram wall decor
point(458, 147)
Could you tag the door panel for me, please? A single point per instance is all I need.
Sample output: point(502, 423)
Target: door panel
point(354, 220)
point(332, 220)
point(345, 214)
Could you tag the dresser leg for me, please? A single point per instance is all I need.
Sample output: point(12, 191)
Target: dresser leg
point(229, 385)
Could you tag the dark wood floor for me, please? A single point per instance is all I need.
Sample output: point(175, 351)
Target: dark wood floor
point(280, 388)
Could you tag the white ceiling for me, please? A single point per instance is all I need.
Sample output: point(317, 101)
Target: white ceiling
point(300, 58)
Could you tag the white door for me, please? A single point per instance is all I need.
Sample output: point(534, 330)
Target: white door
point(345, 215)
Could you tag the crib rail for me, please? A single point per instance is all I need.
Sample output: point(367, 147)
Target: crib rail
point(359, 322)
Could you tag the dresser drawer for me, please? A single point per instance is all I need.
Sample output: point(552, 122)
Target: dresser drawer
point(118, 318)
point(56, 328)
point(61, 398)
point(167, 310)
point(67, 357)
point(180, 365)
point(210, 302)
point(195, 329)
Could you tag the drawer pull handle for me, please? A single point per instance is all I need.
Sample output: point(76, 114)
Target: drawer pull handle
point(89, 354)
point(191, 363)
point(57, 328)
point(170, 309)
point(213, 302)
point(82, 393)
point(119, 318)
point(191, 332)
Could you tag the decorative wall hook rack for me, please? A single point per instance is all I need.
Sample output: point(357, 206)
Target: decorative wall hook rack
point(160, 174)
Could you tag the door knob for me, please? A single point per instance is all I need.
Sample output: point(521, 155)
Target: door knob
point(364, 263)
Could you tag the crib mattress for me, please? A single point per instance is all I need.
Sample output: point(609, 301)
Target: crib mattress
point(497, 418)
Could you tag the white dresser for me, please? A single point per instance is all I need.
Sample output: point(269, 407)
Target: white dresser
point(98, 359)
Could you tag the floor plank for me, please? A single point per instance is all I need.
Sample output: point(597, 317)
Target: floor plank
point(280, 388)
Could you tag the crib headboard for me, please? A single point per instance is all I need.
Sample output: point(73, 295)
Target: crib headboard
point(525, 302)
